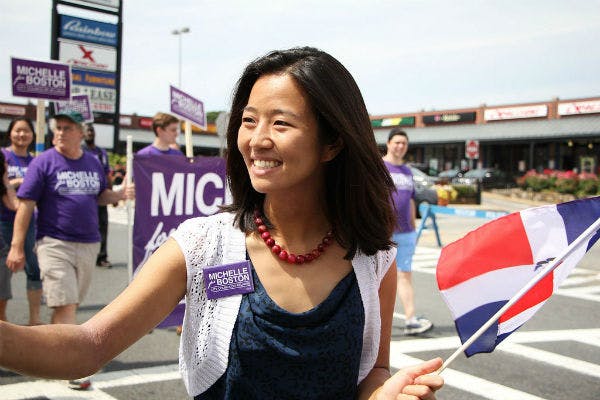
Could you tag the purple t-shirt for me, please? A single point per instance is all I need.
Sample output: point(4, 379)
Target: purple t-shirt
point(101, 155)
point(151, 150)
point(17, 167)
point(405, 190)
point(66, 192)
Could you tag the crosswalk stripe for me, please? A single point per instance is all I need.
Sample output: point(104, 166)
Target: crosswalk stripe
point(55, 389)
point(556, 360)
point(466, 382)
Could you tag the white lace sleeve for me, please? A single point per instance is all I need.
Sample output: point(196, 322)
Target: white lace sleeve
point(385, 258)
point(207, 324)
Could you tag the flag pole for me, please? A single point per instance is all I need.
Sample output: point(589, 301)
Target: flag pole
point(549, 268)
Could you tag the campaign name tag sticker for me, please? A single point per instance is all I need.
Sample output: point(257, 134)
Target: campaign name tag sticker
point(228, 280)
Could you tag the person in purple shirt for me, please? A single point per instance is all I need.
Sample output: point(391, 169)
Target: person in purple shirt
point(89, 144)
point(404, 233)
point(67, 184)
point(18, 158)
point(166, 130)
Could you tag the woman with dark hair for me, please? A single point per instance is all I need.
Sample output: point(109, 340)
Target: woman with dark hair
point(21, 135)
point(290, 291)
point(9, 201)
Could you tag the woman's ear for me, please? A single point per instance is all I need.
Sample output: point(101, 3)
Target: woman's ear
point(330, 151)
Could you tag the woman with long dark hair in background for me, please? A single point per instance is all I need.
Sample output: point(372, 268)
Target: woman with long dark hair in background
point(20, 136)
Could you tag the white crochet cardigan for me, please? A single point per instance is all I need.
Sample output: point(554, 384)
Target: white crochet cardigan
point(208, 324)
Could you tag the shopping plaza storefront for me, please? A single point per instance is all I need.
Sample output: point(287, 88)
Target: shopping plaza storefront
point(560, 134)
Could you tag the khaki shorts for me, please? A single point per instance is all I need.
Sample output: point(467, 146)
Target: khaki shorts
point(66, 269)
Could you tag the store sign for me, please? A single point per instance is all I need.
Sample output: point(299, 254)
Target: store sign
point(145, 122)
point(579, 107)
point(472, 149)
point(187, 107)
point(102, 99)
point(400, 121)
point(93, 78)
point(86, 30)
point(449, 118)
point(12, 110)
point(79, 103)
point(125, 121)
point(495, 114)
point(40, 79)
point(87, 56)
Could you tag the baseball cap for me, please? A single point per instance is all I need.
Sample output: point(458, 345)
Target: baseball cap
point(74, 116)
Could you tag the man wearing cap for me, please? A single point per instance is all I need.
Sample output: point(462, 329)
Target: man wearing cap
point(67, 184)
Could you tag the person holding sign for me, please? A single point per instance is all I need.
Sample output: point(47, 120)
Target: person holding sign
point(67, 184)
point(290, 291)
point(166, 130)
point(18, 158)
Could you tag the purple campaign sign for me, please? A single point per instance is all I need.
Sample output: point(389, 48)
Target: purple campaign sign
point(79, 103)
point(168, 190)
point(41, 80)
point(188, 107)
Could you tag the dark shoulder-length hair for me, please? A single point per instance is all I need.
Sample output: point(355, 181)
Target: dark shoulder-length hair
point(12, 125)
point(358, 185)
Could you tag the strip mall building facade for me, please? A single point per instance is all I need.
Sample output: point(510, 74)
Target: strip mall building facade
point(557, 134)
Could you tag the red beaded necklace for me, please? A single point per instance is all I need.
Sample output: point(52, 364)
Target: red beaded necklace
point(290, 258)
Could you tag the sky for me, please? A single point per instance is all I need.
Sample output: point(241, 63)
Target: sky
point(406, 55)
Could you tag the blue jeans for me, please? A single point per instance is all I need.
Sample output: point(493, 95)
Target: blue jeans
point(32, 269)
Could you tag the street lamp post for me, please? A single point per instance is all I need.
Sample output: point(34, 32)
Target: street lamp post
point(179, 33)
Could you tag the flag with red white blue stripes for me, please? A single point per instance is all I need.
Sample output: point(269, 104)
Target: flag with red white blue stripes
point(478, 274)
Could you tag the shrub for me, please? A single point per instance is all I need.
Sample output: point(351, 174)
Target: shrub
point(114, 159)
point(587, 185)
point(539, 182)
point(465, 190)
point(566, 185)
point(522, 180)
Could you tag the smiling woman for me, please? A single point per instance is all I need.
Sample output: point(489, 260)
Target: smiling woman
point(278, 139)
point(306, 309)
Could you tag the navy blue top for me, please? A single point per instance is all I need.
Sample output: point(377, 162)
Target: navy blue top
point(274, 354)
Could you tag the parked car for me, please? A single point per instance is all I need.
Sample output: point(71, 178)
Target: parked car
point(489, 178)
point(452, 173)
point(422, 178)
point(424, 191)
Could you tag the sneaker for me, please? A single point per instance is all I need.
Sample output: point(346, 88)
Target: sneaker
point(417, 325)
point(80, 384)
point(104, 264)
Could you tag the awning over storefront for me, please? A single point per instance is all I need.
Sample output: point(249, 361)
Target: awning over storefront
point(497, 131)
